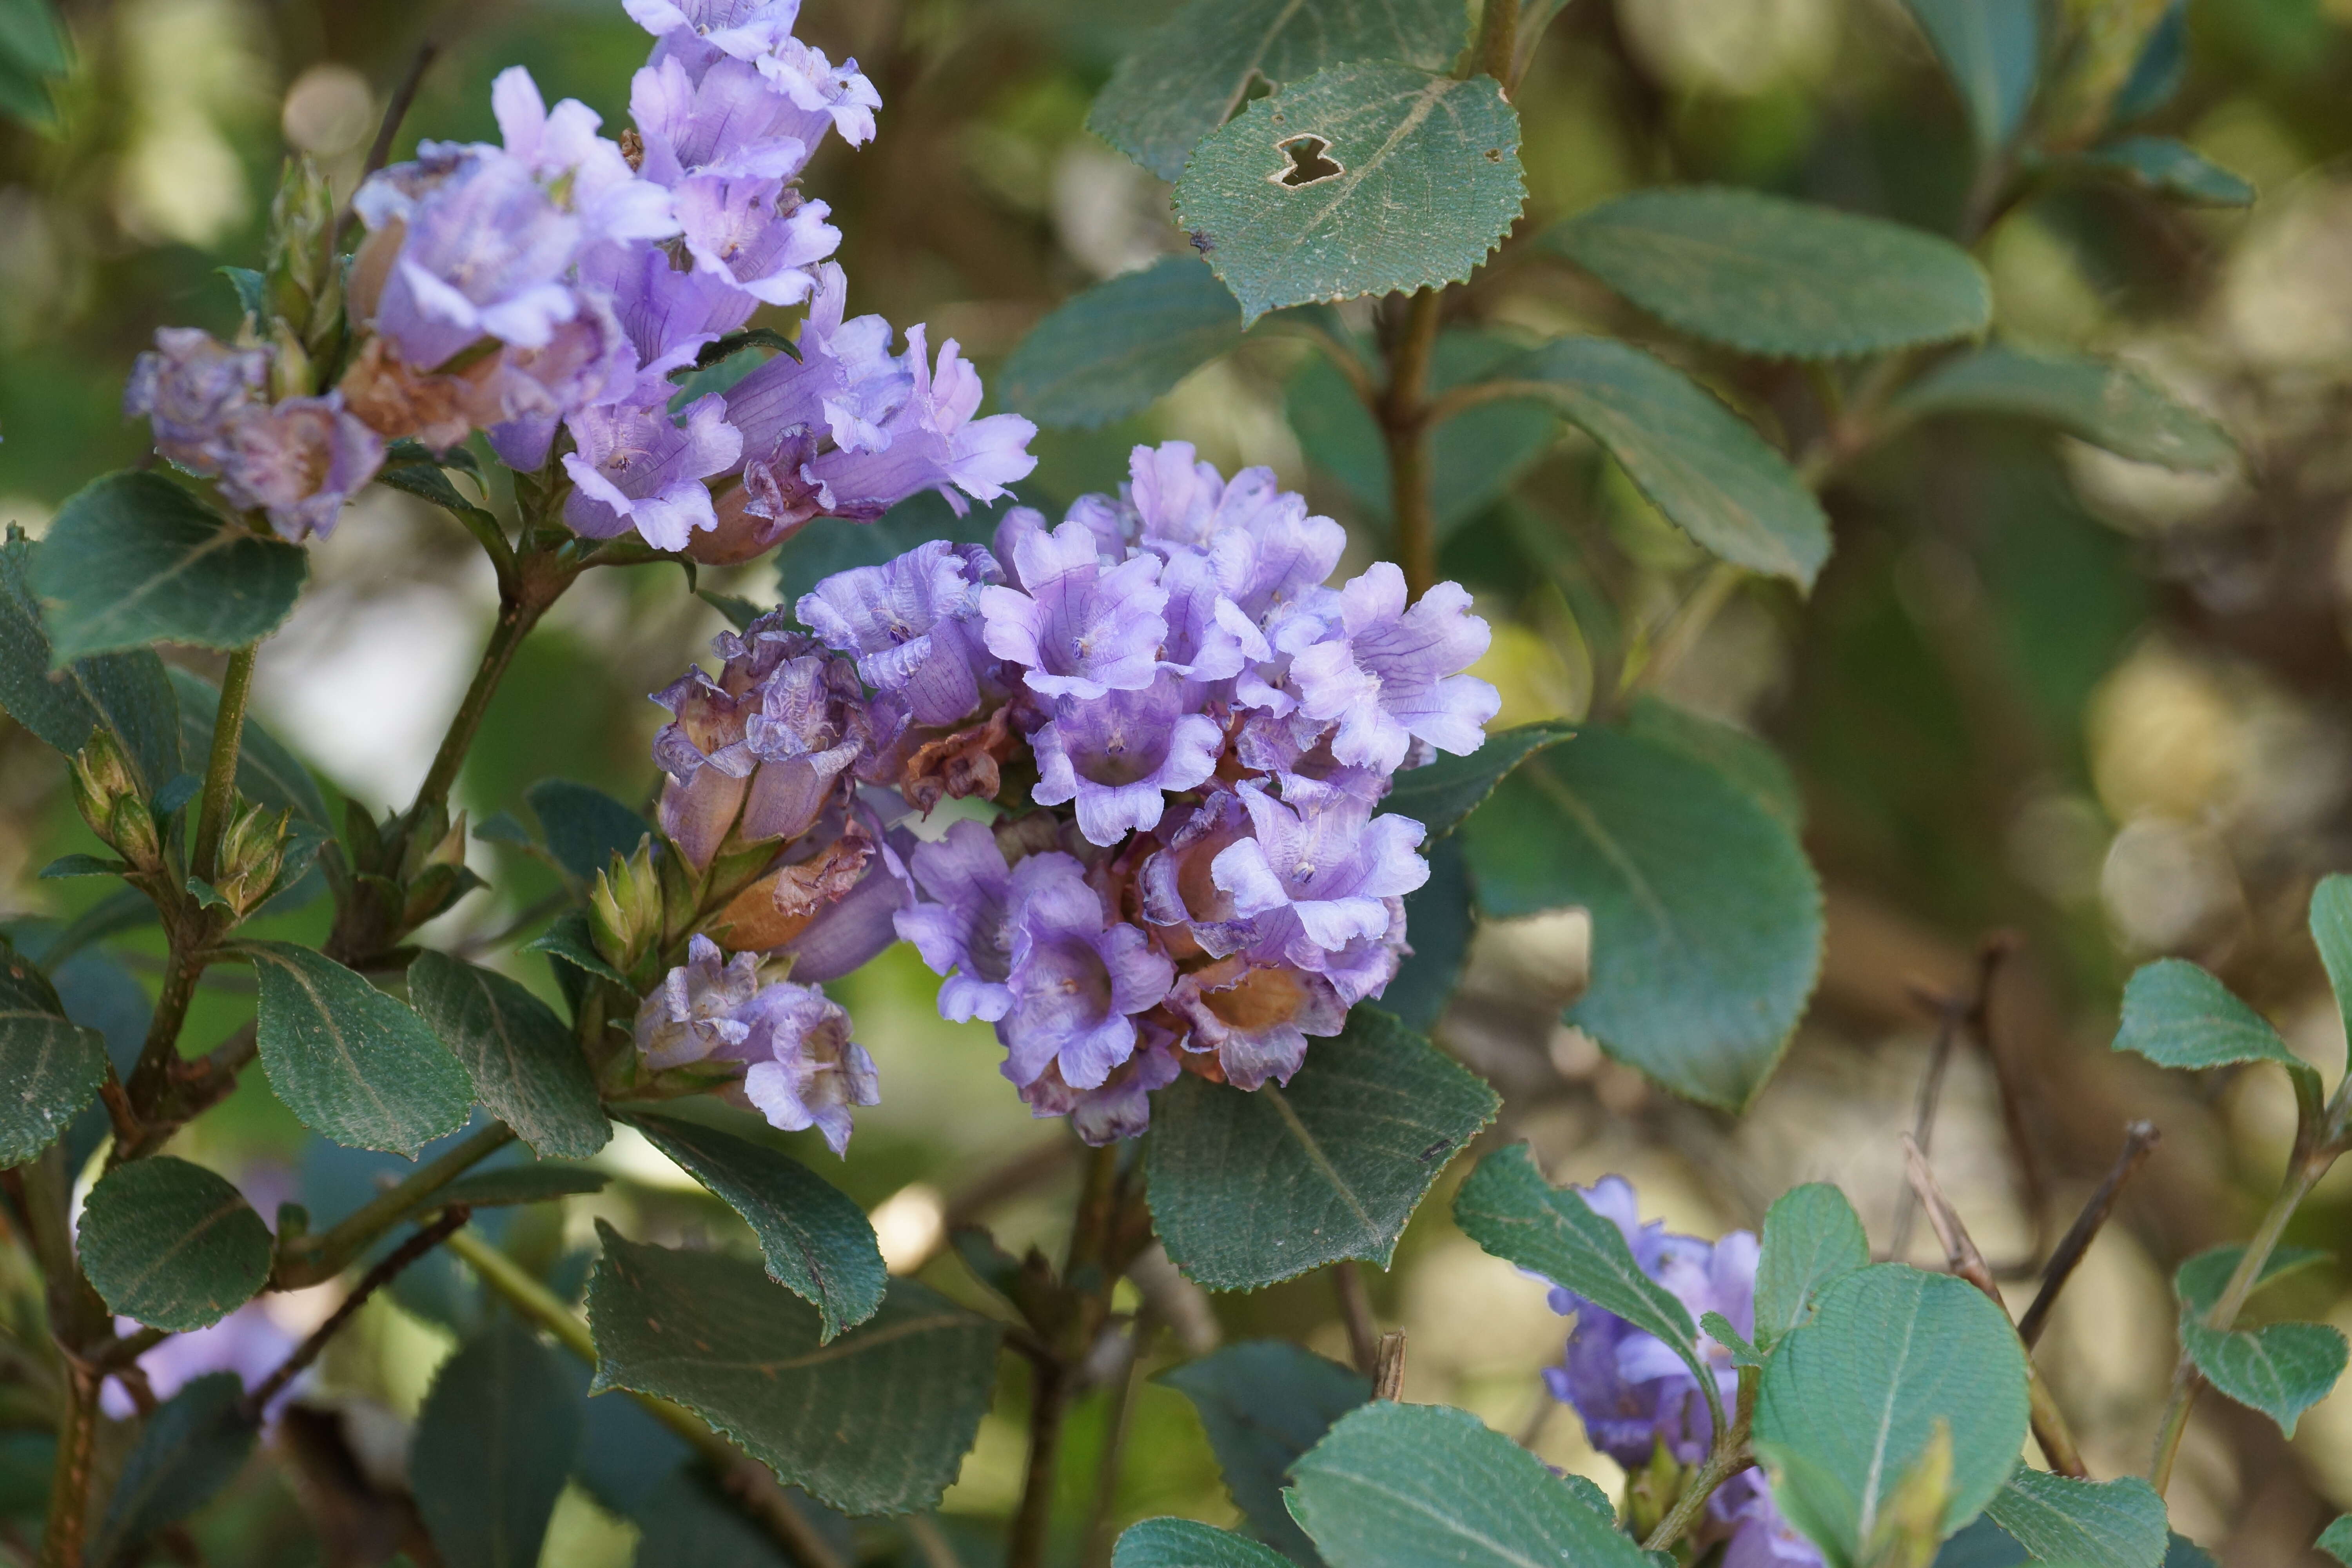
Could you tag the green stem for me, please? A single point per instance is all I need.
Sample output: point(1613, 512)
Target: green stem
point(1404, 426)
point(152, 1074)
point(517, 617)
point(220, 773)
point(1099, 1535)
point(69, 1516)
point(1726, 1460)
point(313, 1258)
point(1498, 34)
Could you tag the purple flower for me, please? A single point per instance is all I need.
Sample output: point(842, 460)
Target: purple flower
point(1323, 862)
point(1079, 629)
point(845, 934)
point(962, 926)
point(191, 387)
point(637, 468)
point(563, 151)
point(1210, 637)
point(758, 235)
point(706, 748)
point(931, 441)
point(913, 625)
point(669, 314)
point(844, 381)
point(528, 391)
point(1117, 754)
point(1120, 1106)
point(1077, 979)
point(1393, 676)
point(1257, 1018)
point(1179, 889)
point(805, 1070)
point(698, 1010)
point(250, 1343)
point(299, 461)
point(809, 729)
point(727, 122)
point(750, 25)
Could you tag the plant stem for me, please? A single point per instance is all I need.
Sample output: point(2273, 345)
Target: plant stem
point(1356, 1311)
point(220, 773)
point(1683, 632)
point(1050, 1377)
point(1726, 1460)
point(517, 617)
point(69, 1516)
point(151, 1073)
point(312, 1258)
point(1404, 427)
point(1048, 1392)
point(1099, 1535)
point(1498, 36)
point(374, 1279)
point(2140, 1140)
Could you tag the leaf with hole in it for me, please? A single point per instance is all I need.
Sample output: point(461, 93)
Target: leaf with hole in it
point(267, 772)
point(1706, 920)
point(193, 1446)
point(1196, 71)
point(1784, 279)
point(132, 559)
point(2164, 167)
point(2083, 1524)
point(585, 826)
point(1189, 1543)
point(128, 693)
point(1991, 50)
point(1263, 1403)
point(50, 1067)
point(1248, 1189)
point(171, 1244)
point(818, 1242)
point(1695, 459)
point(1115, 349)
point(1404, 1486)
point(1850, 1402)
point(1439, 915)
point(1812, 1238)
point(2103, 401)
point(492, 1447)
point(876, 1422)
point(350, 1061)
point(1442, 794)
point(525, 1063)
point(1362, 179)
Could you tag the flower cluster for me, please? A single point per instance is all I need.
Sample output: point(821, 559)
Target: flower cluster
point(1637, 1398)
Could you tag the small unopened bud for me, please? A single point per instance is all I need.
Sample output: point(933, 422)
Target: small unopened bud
point(252, 850)
point(102, 775)
point(289, 365)
point(131, 829)
point(305, 276)
point(624, 907)
point(450, 848)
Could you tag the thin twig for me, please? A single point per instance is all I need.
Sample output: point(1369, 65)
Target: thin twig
point(422, 1242)
point(1388, 1366)
point(311, 1258)
point(1356, 1309)
point(2140, 1138)
point(396, 108)
point(1972, 1014)
point(1101, 1537)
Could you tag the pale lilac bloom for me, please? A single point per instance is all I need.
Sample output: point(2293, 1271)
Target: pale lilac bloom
point(826, 92)
point(637, 468)
point(563, 151)
point(931, 442)
point(1120, 1106)
point(1178, 886)
point(727, 122)
point(1119, 754)
point(667, 313)
point(1078, 629)
point(484, 253)
point(809, 729)
point(191, 387)
point(750, 25)
point(1077, 979)
point(803, 1071)
point(962, 926)
point(913, 625)
point(1257, 1019)
point(1392, 675)
point(297, 461)
point(844, 382)
point(701, 1008)
point(1322, 862)
point(759, 235)
point(1210, 637)
point(589, 361)
point(706, 748)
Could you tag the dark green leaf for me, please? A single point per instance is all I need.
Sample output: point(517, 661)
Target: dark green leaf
point(350, 1061)
point(171, 1244)
point(412, 468)
point(1744, 762)
point(1115, 349)
point(2106, 404)
point(127, 692)
point(1991, 49)
point(1983, 1544)
point(179, 789)
point(2200, 1281)
point(2168, 168)
point(1440, 795)
point(501, 827)
point(822, 549)
point(493, 1444)
point(2083, 1524)
point(193, 1446)
point(1249, 1189)
point(1696, 461)
point(267, 772)
point(1408, 179)
point(688, 1522)
point(1405, 1486)
point(69, 866)
point(585, 826)
point(2158, 74)
point(818, 1242)
point(1189, 75)
point(2282, 1370)
point(133, 559)
point(877, 1422)
point(1718, 1327)
point(2337, 1541)
point(1850, 1401)
point(1812, 1237)
point(1706, 920)
point(523, 1060)
point(51, 1068)
point(252, 294)
point(1786, 279)
point(521, 1183)
point(1189, 1543)
point(2178, 1015)
point(567, 941)
point(1264, 1402)
point(1438, 916)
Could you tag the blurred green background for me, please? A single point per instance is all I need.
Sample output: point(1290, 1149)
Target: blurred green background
point(2039, 687)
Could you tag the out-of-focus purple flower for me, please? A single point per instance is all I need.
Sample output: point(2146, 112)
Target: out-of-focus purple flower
point(637, 468)
point(912, 624)
point(252, 1341)
point(726, 122)
point(528, 391)
point(931, 442)
point(827, 93)
point(1393, 675)
point(667, 314)
point(299, 461)
point(1323, 861)
point(1117, 755)
point(1120, 1106)
point(482, 253)
point(699, 1010)
point(1761, 1536)
point(190, 388)
point(1257, 1017)
point(1077, 979)
point(961, 927)
point(750, 25)
point(1076, 628)
point(804, 1069)
point(758, 235)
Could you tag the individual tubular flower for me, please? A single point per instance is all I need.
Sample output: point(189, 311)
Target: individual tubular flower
point(1256, 1016)
point(698, 1010)
point(1120, 1106)
point(667, 314)
point(523, 394)
point(913, 625)
point(962, 926)
point(297, 461)
point(931, 442)
point(1392, 675)
point(809, 728)
point(637, 469)
point(1178, 887)
point(803, 1071)
point(589, 174)
point(191, 389)
point(1118, 755)
point(1076, 628)
point(755, 234)
point(1076, 981)
point(1321, 869)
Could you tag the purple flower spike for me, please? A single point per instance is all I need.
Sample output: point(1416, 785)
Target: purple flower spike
point(636, 468)
point(1320, 857)
point(696, 1012)
point(1075, 980)
point(758, 235)
point(931, 442)
point(1079, 629)
point(962, 930)
point(1117, 754)
point(805, 1070)
point(1393, 676)
point(1122, 1105)
point(913, 625)
point(298, 462)
point(190, 388)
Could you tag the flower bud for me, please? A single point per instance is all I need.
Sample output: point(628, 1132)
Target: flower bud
point(305, 276)
point(102, 775)
point(252, 850)
point(624, 907)
point(131, 829)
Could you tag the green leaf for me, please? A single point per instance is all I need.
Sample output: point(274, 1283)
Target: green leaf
point(2164, 167)
point(1718, 1327)
point(1509, 1209)
point(520, 1184)
point(2331, 932)
point(877, 1422)
point(1851, 1400)
point(2282, 1370)
point(1190, 74)
point(1755, 768)
point(193, 1446)
point(2104, 402)
point(171, 1244)
point(1263, 1403)
point(1811, 1238)
point(1113, 350)
point(1252, 1188)
point(51, 1068)
point(1408, 180)
point(1442, 794)
point(1991, 49)
point(411, 466)
point(2337, 1541)
point(524, 1062)
point(1404, 1486)
point(1706, 920)
point(2083, 1524)
point(493, 1445)
point(1439, 916)
point(133, 559)
point(2200, 1281)
point(128, 692)
point(567, 941)
point(818, 1242)
point(1696, 461)
point(1784, 279)
point(585, 826)
point(350, 1061)
point(267, 772)
point(2178, 1015)
point(69, 866)
point(1983, 1544)
point(31, 38)
point(252, 290)
point(1188, 1543)
point(687, 1520)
